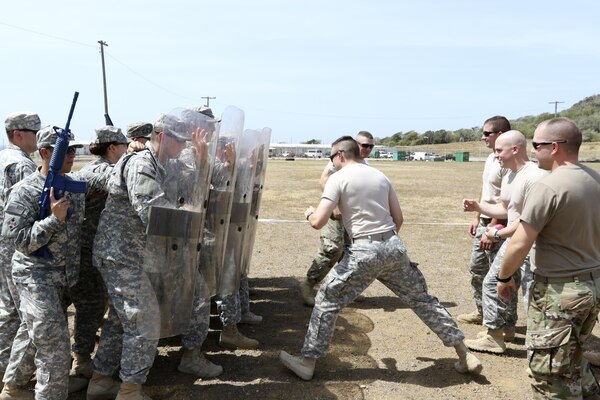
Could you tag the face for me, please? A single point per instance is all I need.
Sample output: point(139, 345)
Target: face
point(171, 146)
point(69, 158)
point(140, 139)
point(505, 153)
point(489, 136)
point(119, 149)
point(544, 152)
point(28, 140)
point(365, 146)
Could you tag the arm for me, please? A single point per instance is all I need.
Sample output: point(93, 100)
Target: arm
point(497, 210)
point(317, 218)
point(325, 176)
point(395, 209)
point(515, 254)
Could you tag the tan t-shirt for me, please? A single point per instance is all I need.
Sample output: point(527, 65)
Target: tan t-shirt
point(492, 181)
point(565, 208)
point(362, 194)
point(519, 186)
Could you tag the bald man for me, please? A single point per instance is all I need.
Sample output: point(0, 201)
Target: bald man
point(500, 316)
point(562, 217)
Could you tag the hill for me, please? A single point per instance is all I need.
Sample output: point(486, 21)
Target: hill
point(585, 113)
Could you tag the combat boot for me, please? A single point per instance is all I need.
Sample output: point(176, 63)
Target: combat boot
point(102, 387)
point(509, 334)
point(306, 288)
point(469, 363)
point(304, 367)
point(474, 317)
point(82, 365)
point(232, 338)
point(492, 342)
point(14, 392)
point(193, 362)
point(131, 391)
point(251, 319)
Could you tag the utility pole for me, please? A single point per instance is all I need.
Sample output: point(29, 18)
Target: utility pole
point(556, 103)
point(106, 117)
point(208, 99)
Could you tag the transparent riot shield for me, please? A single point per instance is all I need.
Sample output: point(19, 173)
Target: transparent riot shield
point(229, 277)
point(262, 155)
point(184, 160)
point(220, 198)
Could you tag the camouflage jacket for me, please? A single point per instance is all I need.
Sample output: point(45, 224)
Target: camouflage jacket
point(61, 237)
point(94, 203)
point(136, 184)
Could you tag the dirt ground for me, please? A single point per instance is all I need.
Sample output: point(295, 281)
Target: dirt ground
point(380, 349)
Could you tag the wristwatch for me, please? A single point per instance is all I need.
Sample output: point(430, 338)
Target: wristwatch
point(497, 235)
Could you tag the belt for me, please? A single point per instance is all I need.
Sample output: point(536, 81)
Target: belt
point(584, 276)
point(375, 237)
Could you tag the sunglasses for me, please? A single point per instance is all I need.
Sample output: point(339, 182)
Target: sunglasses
point(538, 144)
point(366, 145)
point(488, 133)
point(331, 157)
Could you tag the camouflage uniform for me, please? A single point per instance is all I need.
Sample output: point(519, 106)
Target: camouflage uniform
point(135, 185)
point(89, 293)
point(497, 312)
point(480, 262)
point(43, 336)
point(15, 165)
point(364, 262)
point(330, 252)
point(561, 317)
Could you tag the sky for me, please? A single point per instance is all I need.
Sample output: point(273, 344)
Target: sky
point(307, 69)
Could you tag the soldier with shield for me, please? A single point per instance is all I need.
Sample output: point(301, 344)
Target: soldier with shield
point(153, 222)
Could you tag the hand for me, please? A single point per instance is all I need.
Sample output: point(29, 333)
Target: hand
point(336, 214)
point(59, 207)
point(473, 227)
point(309, 211)
point(200, 140)
point(490, 234)
point(470, 205)
point(506, 289)
point(135, 146)
point(485, 243)
point(230, 154)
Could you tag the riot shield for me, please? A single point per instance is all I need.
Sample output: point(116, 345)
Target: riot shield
point(220, 198)
point(229, 276)
point(176, 217)
point(262, 155)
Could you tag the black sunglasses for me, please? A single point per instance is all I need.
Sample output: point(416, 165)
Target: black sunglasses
point(331, 157)
point(488, 133)
point(366, 145)
point(538, 144)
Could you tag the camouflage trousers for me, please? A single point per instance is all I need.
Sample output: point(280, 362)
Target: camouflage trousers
point(10, 320)
point(480, 262)
point(233, 306)
point(90, 300)
point(362, 263)
point(526, 282)
point(200, 319)
point(497, 312)
point(42, 343)
point(124, 342)
point(330, 252)
point(560, 319)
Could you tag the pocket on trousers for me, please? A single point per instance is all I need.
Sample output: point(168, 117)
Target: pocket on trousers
point(549, 350)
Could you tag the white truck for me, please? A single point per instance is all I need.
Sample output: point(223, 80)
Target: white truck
point(313, 154)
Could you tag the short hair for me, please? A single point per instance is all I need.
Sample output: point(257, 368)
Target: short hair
point(498, 123)
point(365, 134)
point(348, 145)
point(562, 128)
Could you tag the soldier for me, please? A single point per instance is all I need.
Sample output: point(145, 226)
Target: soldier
point(127, 340)
point(89, 294)
point(375, 252)
point(483, 249)
point(562, 216)
point(43, 336)
point(499, 316)
point(332, 234)
point(15, 164)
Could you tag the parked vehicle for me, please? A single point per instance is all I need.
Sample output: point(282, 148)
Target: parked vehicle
point(288, 154)
point(313, 154)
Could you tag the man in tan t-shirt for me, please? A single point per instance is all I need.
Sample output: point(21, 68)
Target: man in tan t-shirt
point(562, 216)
